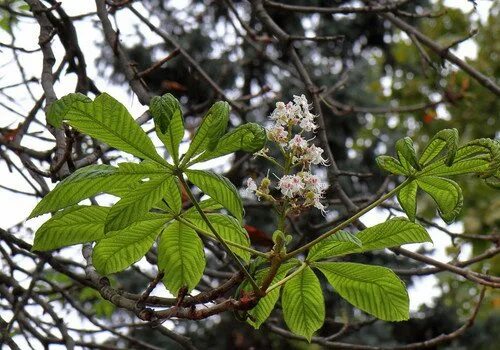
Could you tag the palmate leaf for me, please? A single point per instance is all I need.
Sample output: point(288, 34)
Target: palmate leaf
point(392, 233)
point(74, 225)
point(374, 289)
point(105, 119)
point(248, 137)
point(180, 257)
point(120, 249)
point(265, 306)
point(211, 129)
point(93, 180)
point(167, 115)
point(303, 304)
point(227, 227)
point(446, 193)
point(322, 249)
point(407, 198)
point(137, 203)
point(219, 188)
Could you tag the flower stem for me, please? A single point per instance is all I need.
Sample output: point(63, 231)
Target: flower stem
point(348, 221)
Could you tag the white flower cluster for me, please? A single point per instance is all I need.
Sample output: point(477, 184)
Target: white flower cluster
point(290, 122)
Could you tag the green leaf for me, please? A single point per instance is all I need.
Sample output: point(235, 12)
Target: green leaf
point(322, 249)
point(173, 195)
point(373, 289)
point(405, 149)
point(94, 180)
point(120, 249)
point(447, 138)
point(219, 188)
point(265, 306)
point(207, 205)
point(78, 224)
point(248, 137)
point(303, 304)
point(211, 129)
point(446, 193)
point(392, 233)
point(228, 228)
point(391, 165)
point(167, 114)
point(136, 203)
point(105, 119)
point(180, 257)
point(465, 166)
point(407, 198)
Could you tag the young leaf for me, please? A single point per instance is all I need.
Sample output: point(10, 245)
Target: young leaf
point(391, 165)
point(210, 130)
point(323, 248)
point(137, 203)
point(107, 120)
point(447, 138)
point(407, 198)
point(374, 289)
point(207, 205)
point(167, 114)
point(303, 304)
point(120, 249)
point(265, 306)
point(405, 149)
point(228, 228)
point(78, 224)
point(446, 193)
point(394, 232)
point(180, 257)
point(219, 188)
point(248, 137)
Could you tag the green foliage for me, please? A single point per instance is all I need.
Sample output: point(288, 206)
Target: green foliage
point(74, 225)
point(265, 306)
point(180, 257)
point(219, 188)
point(374, 289)
point(167, 115)
point(228, 228)
point(427, 173)
point(107, 120)
point(391, 233)
point(303, 304)
point(150, 208)
point(120, 249)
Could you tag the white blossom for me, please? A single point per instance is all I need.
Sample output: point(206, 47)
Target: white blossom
point(251, 186)
point(298, 143)
point(290, 185)
point(313, 155)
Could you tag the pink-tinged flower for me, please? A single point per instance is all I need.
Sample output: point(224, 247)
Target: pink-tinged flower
point(280, 114)
point(290, 185)
point(307, 122)
point(313, 155)
point(313, 183)
point(298, 143)
point(251, 186)
point(278, 134)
